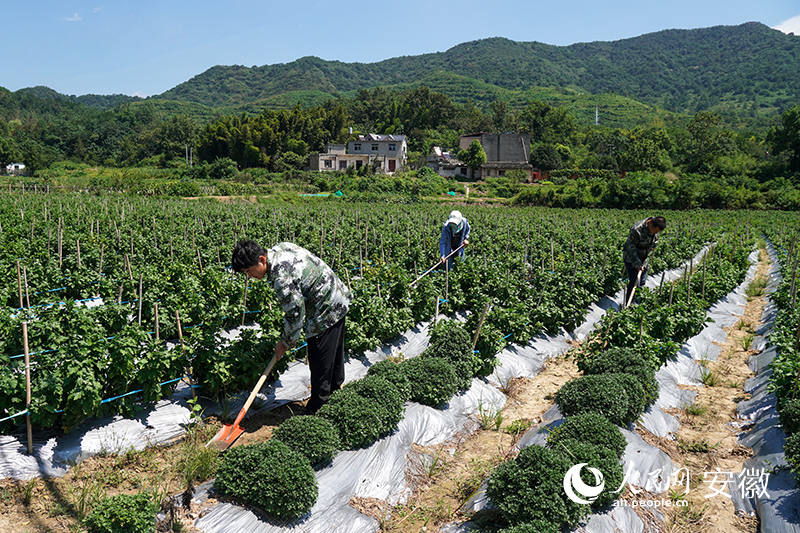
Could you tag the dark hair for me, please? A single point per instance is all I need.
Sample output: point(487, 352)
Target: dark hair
point(245, 255)
point(659, 222)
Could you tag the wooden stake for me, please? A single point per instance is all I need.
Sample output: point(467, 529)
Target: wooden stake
point(27, 386)
point(140, 299)
point(155, 316)
point(480, 325)
point(183, 347)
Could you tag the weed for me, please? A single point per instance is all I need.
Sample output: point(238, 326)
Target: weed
point(687, 516)
point(746, 341)
point(676, 496)
point(695, 409)
point(710, 378)
point(489, 417)
point(757, 287)
point(695, 446)
point(225, 406)
point(27, 491)
point(518, 427)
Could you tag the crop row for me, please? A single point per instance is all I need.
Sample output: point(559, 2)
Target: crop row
point(154, 262)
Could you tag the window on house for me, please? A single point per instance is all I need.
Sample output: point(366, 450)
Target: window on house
point(392, 147)
point(374, 147)
point(359, 163)
point(357, 147)
point(342, 165)
point(328, 163)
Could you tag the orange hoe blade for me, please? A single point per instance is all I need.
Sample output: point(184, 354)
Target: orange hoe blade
point(230, 432)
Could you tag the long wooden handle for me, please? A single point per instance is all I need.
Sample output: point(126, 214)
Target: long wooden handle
point(257, 388)
point(437, 264)
point(633, 290)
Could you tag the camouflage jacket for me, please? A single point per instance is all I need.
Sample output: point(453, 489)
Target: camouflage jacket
point(639, 244)
point(308, 291)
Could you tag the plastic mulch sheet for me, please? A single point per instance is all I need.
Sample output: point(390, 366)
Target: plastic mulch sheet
point(764, 487)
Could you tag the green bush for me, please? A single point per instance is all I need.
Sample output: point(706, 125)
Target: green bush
point(634, 391)
point(384, 393)
point(601, 393)
point(269, 475)
point(603, 460)
point(359, 420)
point(530, 487)
point(313, 436)
point(432, 379)
point(789, 412)
point(450, 341)
point(591, 428)
point(791, 450)
point(393, 373)
point(626, 361)
point(124, 513)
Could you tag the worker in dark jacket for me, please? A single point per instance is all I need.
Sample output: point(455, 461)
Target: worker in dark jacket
point(642, 239)
point(455, 232)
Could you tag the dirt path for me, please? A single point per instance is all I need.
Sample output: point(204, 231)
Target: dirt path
point(705, 442)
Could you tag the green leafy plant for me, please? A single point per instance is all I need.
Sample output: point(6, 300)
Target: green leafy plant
point(359, 420)
point(392, 372)
point(530, 487)
point(591, 428)
point(386, 395)
point(603, 394)
point(269, 475)
point(450, 341)
point(622, 360)
point(433, 380)
point(313, 436)
point(123, 513)
point(789, 413)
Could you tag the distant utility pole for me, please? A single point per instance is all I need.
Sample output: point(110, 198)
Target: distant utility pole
point(596, 116)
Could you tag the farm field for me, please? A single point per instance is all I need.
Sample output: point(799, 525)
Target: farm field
point(124, 297)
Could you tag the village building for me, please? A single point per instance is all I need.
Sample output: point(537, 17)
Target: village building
point(504, 152)
point(446, 164)
point(16, 169)
point(387, 153)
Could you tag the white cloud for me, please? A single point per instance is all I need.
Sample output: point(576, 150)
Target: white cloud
point(140, 94)
point(790, 26)
point(74, 18)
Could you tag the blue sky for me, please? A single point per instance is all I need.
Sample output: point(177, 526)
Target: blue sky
point(147, 47)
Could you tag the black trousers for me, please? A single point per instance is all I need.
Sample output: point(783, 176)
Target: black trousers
point(632, 273)
point(326, 363)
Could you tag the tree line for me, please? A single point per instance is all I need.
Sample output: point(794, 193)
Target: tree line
point(40, 132)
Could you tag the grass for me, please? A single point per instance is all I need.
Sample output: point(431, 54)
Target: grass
point(756, 288)
point(695, 409)
point(696, 446)
point(746, 341)
point(489, 417)
point(710, 378)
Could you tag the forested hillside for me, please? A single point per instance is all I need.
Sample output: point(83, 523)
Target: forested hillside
point(748, 69)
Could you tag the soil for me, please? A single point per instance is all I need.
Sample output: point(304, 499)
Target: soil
point(705, 442)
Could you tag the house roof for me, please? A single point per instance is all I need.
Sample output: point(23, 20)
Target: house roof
point(379, 137)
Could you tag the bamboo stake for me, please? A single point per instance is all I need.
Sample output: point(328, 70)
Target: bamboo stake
point(183, 347)
point(480, 325)
point(155, 316)
point(19, 284)
point(244, 298)
point(140, 299)
point(25, 283)
point(27, 386)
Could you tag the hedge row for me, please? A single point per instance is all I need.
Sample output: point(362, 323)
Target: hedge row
point(279, 473)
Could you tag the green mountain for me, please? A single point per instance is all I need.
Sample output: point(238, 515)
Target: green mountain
point(748, 70)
